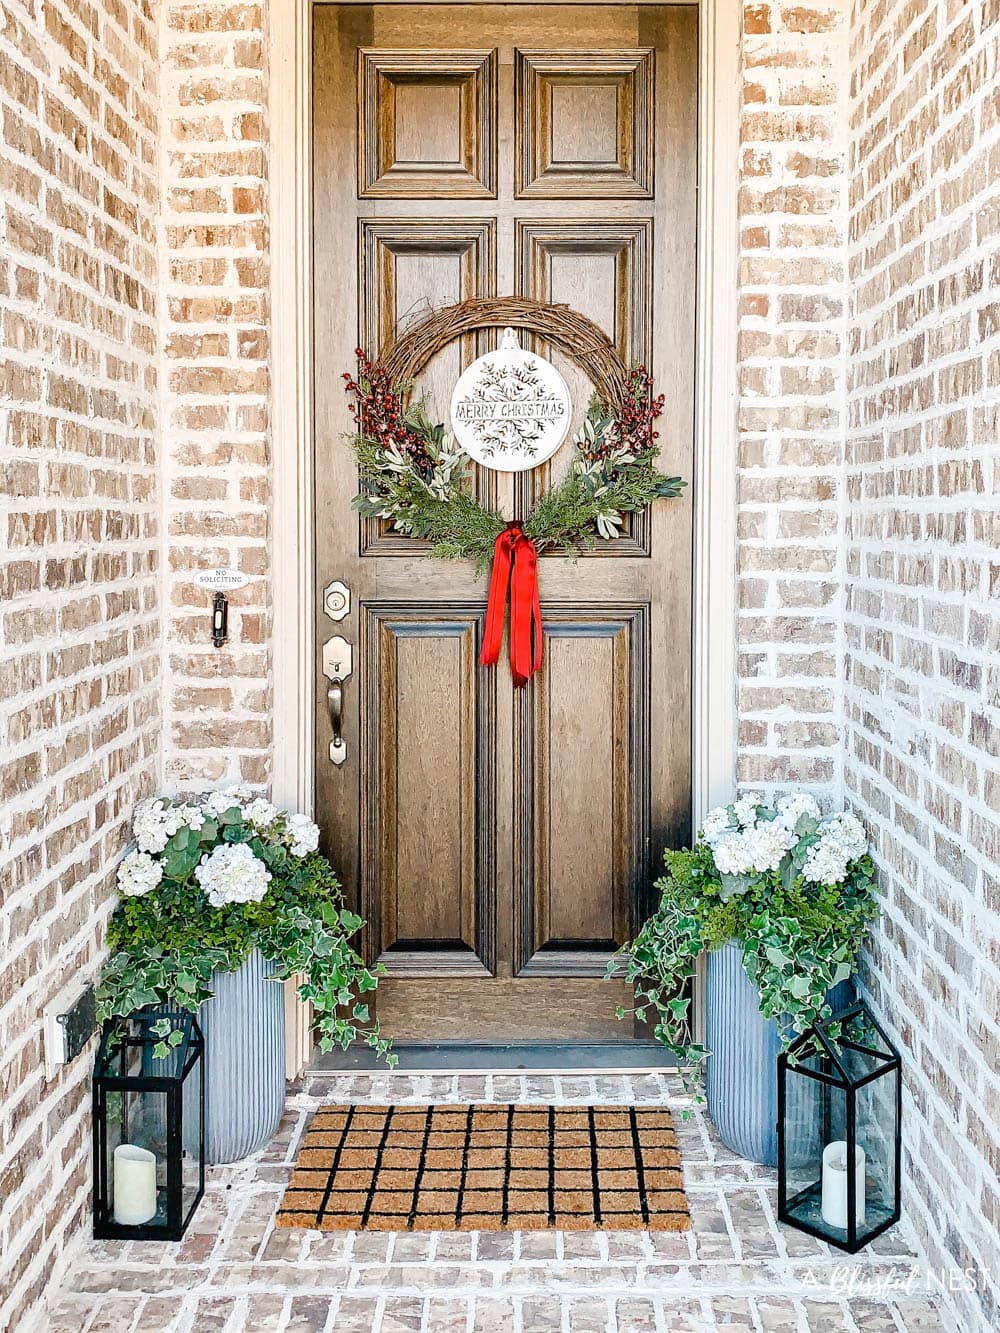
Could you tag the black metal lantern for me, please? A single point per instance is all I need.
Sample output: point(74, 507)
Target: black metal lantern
point(149, 1139)
point(839, 1105)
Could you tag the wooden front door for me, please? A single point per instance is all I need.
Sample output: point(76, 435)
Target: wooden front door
point(501, 843)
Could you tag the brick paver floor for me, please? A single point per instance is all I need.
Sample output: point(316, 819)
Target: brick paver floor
point(735, 1269)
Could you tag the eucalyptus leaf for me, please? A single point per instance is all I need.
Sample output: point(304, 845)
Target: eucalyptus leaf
point(732, 884)
point(787, 871)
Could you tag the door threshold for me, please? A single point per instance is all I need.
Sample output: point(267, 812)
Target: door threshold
point(453, 1058)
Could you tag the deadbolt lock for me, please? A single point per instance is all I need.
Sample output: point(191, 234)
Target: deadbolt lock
point(337, 600)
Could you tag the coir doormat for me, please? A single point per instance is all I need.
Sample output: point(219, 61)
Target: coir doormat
point(487, 1168)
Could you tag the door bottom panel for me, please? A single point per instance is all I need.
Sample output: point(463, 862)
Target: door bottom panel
point(504, 1010)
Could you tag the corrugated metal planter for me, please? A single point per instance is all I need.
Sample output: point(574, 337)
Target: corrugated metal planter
point(244, 1030)
point(741, 1078)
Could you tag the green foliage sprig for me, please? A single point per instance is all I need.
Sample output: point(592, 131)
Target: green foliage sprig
point(800, 938)
point(166, 938)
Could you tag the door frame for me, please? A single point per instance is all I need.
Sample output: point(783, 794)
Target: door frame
point(713, 703)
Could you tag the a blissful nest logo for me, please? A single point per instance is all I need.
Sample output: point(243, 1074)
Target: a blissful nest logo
point(510, 409)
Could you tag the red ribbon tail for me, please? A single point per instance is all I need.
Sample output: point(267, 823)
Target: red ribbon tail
point(525, 613)
point(496, 605)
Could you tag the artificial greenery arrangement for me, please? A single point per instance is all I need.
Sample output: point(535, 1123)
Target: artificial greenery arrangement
point(414, 475)
point(795, 889)
point(212, 879)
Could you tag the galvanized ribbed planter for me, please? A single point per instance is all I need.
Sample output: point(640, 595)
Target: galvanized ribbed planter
point(244, 1030)
point(741, 1074)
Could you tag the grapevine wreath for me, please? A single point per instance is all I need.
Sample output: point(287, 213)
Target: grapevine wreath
point(414, 475)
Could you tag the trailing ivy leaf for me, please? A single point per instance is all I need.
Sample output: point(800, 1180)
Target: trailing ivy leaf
point(799, 986)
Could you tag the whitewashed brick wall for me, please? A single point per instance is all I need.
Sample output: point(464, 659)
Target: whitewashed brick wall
point(217, 382)
point(792, 207)
point(79, 560)
point(922, 582)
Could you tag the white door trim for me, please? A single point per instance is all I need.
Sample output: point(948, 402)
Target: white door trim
point(714, 491)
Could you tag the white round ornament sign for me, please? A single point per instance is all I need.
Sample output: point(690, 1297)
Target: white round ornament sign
point(511, 409)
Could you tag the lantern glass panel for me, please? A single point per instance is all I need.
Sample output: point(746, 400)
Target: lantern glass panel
point(193, 1166)
point(876, 1118)
point(815, 1116)
point(137, 1173)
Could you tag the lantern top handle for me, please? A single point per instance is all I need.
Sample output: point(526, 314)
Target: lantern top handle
point(166, 1042)
point(847, 1042)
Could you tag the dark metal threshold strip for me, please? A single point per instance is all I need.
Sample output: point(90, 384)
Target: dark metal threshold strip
point(448, 1058)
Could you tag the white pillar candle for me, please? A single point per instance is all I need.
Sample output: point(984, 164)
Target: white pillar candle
point(134, 1185)
point(835, 1184)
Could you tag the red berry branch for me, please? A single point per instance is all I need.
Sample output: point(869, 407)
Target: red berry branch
point(636, 415)
point(378, 413)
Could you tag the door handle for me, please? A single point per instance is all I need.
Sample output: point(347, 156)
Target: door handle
point(337, 666)
point(335, 702)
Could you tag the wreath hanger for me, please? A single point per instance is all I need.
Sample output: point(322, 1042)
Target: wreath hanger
point(412, 472)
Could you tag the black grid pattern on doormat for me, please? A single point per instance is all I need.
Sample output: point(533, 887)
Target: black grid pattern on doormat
point(487, 1168)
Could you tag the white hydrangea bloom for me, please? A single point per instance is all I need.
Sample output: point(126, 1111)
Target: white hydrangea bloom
point(846, 830)
point(304, 834)
point(827, 861)
point(153, 824)
point(232, 874)
point(732, 855)
point(767, 843)
point(218, 802)
point(138, 875)
point(792, 808)
point(746, 808)
point(190, 816)
point(715, 824)
point(261, 813)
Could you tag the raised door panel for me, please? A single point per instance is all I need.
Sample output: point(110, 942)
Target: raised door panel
point(582, 769)
point(584, 124)
point(407, 266)
point(603, 268)
point(427, 791)
point(427, 124)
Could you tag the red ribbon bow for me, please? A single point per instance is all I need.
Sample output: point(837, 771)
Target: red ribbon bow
point(515, 564)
